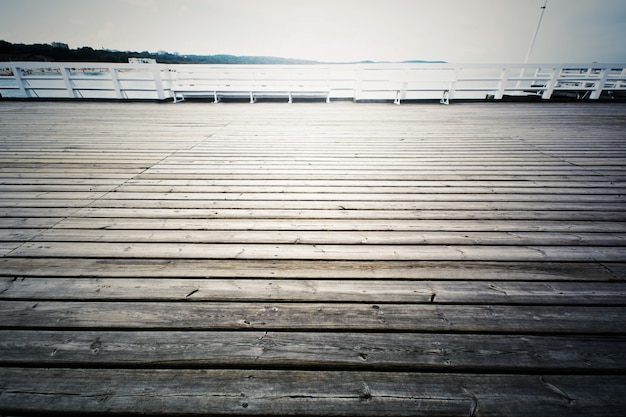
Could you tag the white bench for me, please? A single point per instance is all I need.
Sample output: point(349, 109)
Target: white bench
point(401, 95)
point(214, 90)
point(252, 84)
point(180, 92)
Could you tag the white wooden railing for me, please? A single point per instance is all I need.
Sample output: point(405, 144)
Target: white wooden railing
point(358, 82)
point(85, 80)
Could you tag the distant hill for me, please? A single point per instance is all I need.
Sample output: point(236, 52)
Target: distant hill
point(61, 52)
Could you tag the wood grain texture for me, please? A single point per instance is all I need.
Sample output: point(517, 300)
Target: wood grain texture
point(315, 290)
point(258, 392)
point(435, 352)
point(313, 316)
point(307, 259)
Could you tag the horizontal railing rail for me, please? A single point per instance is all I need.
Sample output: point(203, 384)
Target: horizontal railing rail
point(359, 82)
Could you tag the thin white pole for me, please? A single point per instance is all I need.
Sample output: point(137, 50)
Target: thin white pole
point(532, 43)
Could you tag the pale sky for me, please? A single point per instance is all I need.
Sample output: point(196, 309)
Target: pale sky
point(457, 31)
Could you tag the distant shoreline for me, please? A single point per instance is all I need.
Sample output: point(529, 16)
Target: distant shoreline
point(48, 52)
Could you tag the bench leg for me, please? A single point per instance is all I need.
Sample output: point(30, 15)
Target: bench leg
point(446, 97)
point(397, 100)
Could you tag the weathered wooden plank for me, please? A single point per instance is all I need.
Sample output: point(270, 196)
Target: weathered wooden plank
point(219, 392)
point(450, 193)
point(50, 195)
point(358, 351)
point(564, 192)
point(363, 169)
point(35, 177)
point(318, 237)
point(226, 205)
point(18, 234)
point(28, 222)
point(58, 169)
point(18, 204)
point(47, 188)
point(371, 291)
point(413, 225)
point(339, 172)
point(388, 156)
point(341, 213)
point(37, 212)
point(291, 203)
point(322, 252)
point(421, 176)
point(442, 171)
point(103, 160)
point(311, 317)
point(572, 185)
point(437, 199)
point(619, 269)
point(7, 247)
point(463, 159)
point(31, 183)
point(299, 269)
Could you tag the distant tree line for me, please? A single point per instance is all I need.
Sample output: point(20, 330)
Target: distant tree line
point(60, 52)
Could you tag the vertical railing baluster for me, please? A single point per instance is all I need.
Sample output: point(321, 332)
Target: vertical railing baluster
point(358, 82)
point(116, 83)
point(453, 82)
point(502, 84)
point(599, 85)
point(158, 81)
point(554, 76)
point(71, 91)
point(21, 84)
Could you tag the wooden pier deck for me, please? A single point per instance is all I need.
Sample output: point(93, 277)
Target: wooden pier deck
point(313, 259)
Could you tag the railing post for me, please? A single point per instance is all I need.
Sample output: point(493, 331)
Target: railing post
point(403, 86)
point(502, 84)
point(116, 83)
point(599, 85)
point(455, 78)
point(158, 82)
point(65, 72)
point(554, 76)
point(17, 74)
point(358, 82)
